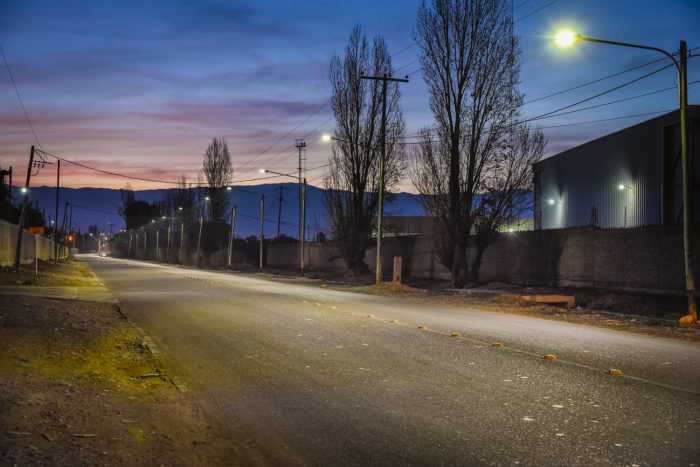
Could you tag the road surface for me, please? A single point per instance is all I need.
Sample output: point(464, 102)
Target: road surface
point(299, 374)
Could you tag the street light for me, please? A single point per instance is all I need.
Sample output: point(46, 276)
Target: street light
point(302, 214)
point(566, 38)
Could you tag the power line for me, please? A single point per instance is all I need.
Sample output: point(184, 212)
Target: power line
point(143, 179)
point(19, 98)
point(318, 109)
point(535, 11)
point(556, 112)
point(619, 100)
point(92, 209)
point(600, 120)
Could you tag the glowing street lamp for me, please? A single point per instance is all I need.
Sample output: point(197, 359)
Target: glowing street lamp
point(566, 38)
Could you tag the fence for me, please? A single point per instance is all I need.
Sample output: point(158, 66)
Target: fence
point(33, 246)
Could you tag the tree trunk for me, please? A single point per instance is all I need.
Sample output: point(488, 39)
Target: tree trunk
point(476, 264)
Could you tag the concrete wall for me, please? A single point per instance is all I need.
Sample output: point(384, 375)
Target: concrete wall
point(648, 258)
point(32, 246)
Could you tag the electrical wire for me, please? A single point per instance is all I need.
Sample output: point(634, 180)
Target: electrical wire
point(536, 10)
point(19, 98)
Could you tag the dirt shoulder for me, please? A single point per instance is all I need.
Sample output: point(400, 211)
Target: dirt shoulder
point(642, 313)
point(80, 384)
point(68, 273)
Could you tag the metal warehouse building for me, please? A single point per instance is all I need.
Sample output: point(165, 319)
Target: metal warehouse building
point(630, 178)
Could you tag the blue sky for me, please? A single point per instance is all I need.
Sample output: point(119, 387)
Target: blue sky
point(142, 87)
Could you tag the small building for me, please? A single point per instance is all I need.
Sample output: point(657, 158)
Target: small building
point(630, 178)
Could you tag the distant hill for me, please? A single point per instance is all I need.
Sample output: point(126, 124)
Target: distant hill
point(99, 206)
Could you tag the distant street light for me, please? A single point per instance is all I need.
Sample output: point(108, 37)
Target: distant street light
point(566, 38)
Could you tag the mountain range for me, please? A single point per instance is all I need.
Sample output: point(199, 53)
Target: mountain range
point(98, 206)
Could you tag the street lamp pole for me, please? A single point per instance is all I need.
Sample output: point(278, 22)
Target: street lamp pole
point(566, 38)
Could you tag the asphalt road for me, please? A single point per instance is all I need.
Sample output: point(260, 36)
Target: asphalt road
point(300, 374)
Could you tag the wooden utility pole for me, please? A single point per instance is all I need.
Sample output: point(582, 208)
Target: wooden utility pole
point(385, 80)
point(24, 213)
point(230, 238)
point(131, 237)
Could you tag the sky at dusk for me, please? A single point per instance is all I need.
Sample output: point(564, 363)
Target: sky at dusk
point(141, 87)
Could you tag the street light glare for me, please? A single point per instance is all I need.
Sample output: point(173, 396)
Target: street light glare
point(326, 137)
point(565, 38)
point(550, 202)
point(262, 171)
point(620, 187)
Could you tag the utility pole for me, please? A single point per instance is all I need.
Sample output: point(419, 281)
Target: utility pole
point(131, 237)
point(58, 186)
point(167, 246)
point(230, 239)
point(303, 225)
point(279, 211)
point(262, 227)
point(385, 80)
point(157, 244)
point(23, 213)
point(300, 145)
point(199, 237)
point(182, 237)
point(688, 181)
point(3, 174)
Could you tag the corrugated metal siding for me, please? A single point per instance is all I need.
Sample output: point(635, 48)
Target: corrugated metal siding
point(589, 176)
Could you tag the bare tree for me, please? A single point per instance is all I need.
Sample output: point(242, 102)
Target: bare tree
point(507, 189)
point(218, 172)
point(127, 198)
point(469, 59)
point(352, 181)
point(179, 202)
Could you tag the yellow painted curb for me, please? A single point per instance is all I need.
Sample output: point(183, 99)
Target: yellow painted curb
point(324, 285)
point(423, 327)
point(370, 316)
point(394, 321)
point(497, 344)
point(550, 357)
point(455, 334)
point(317, 304)
point(615, 372)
